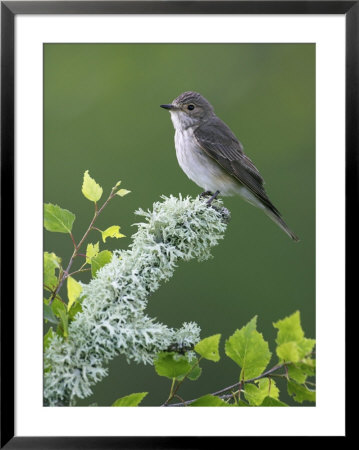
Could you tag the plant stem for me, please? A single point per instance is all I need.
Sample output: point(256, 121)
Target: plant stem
point(174, 392)
point(73, 240)
point(171, 392)
point(180, 398)
point(77, 271)
point(77, 247)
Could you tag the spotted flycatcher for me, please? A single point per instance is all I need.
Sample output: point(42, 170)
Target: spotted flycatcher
point(211, 155)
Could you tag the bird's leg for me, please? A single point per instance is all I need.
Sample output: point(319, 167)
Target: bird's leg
point(226, 215)
point(205, 194)
point(215, 195)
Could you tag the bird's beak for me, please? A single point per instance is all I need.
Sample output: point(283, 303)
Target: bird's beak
point(167, 106)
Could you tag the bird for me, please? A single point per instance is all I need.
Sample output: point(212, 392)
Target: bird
point(210, 155)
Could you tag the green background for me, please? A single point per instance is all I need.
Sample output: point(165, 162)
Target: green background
point(101, 113)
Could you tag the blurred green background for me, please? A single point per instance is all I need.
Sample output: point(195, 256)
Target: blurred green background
point(101, 113)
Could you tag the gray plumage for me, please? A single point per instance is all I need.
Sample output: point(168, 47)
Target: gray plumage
point(211, 155)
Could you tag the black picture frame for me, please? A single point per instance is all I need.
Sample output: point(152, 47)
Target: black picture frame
point(9, 10)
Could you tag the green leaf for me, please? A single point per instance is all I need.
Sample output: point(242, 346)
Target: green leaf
point(47, 338)
point(209, 400)
point(51, 264)
point(100, 260)
point(300, 371)
point(112, 232)
point(308, 365)
point(295, 373)
point(49, 314)
point(122, 192)
point(117, 184)
point(171, 365)
point(249, 350)
point(59, 309)
point(57, 219)
point(209, 347)
point(130, 400)
point(306, 346)
point(292, 345)
point(90, 189)
point(270, 401)
point(256, 393)
point(241, 403)
point(74, 290)
point(289, 351)
point(92, 250)
point(300, 393)
point(57, 306)
point(195, 373)
point(289, 329)
point(76, 308)
point(64, 322)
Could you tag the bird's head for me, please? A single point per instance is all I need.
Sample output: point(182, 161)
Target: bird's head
point(189, 109)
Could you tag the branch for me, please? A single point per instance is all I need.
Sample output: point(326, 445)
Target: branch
point(113, 319)
point(240, 384)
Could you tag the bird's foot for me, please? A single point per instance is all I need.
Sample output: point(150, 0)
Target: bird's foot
point(215, 195)
point(205, 194)
point(224, 212)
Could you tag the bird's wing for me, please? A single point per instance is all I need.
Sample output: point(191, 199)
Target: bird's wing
point(218, 141)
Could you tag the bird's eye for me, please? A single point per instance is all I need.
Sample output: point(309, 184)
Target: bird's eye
point(190, 107)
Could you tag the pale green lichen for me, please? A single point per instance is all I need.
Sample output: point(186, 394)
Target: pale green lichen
point(113, 319)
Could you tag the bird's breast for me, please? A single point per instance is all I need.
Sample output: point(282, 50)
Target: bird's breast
point(200, 167)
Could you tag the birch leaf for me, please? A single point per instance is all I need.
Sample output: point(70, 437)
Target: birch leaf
point(112, 232)
point(57, 219)
point(74, 290)
point(91, 190)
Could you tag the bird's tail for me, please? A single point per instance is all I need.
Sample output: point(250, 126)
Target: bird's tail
point(280, 222)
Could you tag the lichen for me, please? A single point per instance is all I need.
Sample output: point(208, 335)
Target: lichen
point(113, 319)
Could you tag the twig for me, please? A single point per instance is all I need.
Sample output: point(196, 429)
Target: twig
point(226, 396)
point(180, 398)
point(234, 386)
point(73, 240)
point(58, 298)
point(77, 271)
point(77, 247)
point(239, 385)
